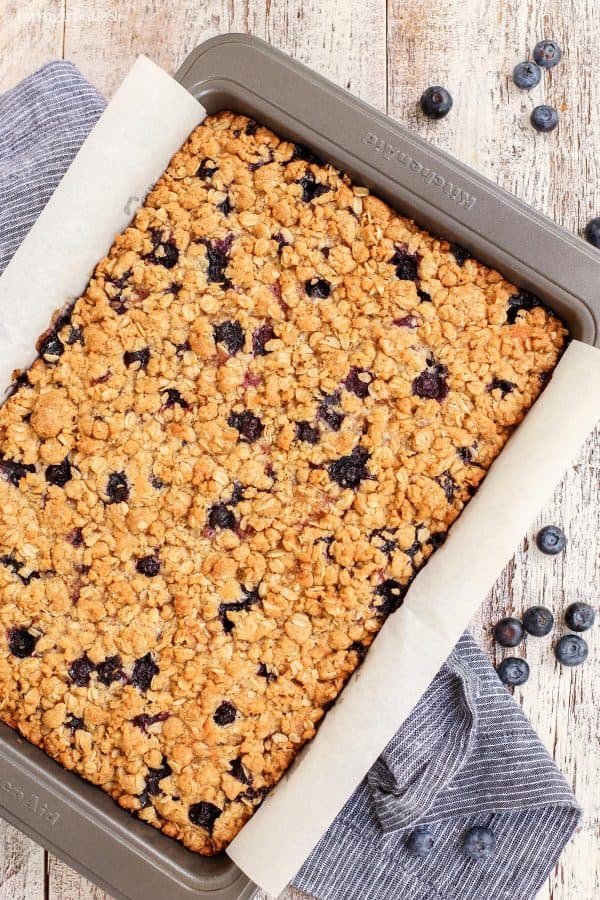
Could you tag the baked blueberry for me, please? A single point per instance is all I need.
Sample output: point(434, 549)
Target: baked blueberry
point(220, 516)
point(249, 426)
point(407, 264)
point(20, 642)
point(349, 471)
point(551, 539)
point(261, 337)
point(206, 169)
point(225, 713)
point(231, 335)
point(250, 599)
point(172, 397)
point(59, 474)
point(501, 384)
point(13, 471)
point(526, 75)
point(264, 672)
point(393, 594)
point(75, 537)
point(330, 416)
point(12, 563)
point(544, 118)
point(592, 232)
point(51, 346)
point(305, 154)
point(465, 454)
point(238, 770)
point(447, 484)
point(217, 254)
point(522, 301)
point(130, 357)
point(547, 54)
point(204, 815)
point(359, 648)
point(479, 843)
point(80, 670)
point(408, 321)
point(144, 670)
point(117, 488)
point(571, 650)
point(436, 102)
point(156, 482)
point(513, 671)
point(155, 776)
point(420, 842)
point(148, 565)
point(460, 254)
point(165, 252)
point(251, 127)
point(225, 206)
point(431, 384)
point(75, 336)
point(20, 381)
point(74, 723)
point(538, 621)
point(579, 616)
point(110, 670)
point(308, 433)
point(509, 632)
point(144, 721)
point(311, 188)
point(358, 381)
point(317, 288)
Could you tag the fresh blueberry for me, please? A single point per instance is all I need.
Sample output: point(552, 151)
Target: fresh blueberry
point(592, 232)
point(547, 54)
point(308, 433)
point(317, 288)
point(513, 671)
point(436, 102)
point(237, 769)
point(13, 471)
point(231, 335)
point(117, 488)
point(571, 650)
point(264, 672)
point(249, 426)
point(407, 264)
point(311, 188)
point(110, 670)
point(220, 516)
point(526, 75)
point(420, 842)
point(59, 474)
point(349, 471)
point(393, 594)
point(206, 169)
point(538, 621)
point(479, 843)
point(225, 713)
point(579, 616)
point(204, 815)
point(148, 566)
point(544, 118)
point(144, 670)
point(551, 539)
point(80, 670)
point(431, 384)
point(137, 356)
point(261, 337)
point(172, 397)
point(522, 301)
point(358, 381)
point(20, 642)
point(509, 632)
point(502, 385)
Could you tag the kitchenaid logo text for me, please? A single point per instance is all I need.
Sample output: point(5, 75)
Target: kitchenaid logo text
point(429, 176)
point(31, 801)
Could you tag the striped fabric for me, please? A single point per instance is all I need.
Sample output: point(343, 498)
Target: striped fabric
point(466, 756)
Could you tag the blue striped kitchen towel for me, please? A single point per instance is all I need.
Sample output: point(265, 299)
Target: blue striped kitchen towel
point(466, 755)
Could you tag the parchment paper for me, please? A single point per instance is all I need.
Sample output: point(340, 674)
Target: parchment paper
point(145, 123)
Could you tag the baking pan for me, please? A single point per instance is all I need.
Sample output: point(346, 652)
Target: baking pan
point(75, 820)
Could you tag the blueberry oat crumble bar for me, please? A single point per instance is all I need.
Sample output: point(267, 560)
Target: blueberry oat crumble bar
point(227, 464)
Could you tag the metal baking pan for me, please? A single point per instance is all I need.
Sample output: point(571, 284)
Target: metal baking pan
point(77, 821)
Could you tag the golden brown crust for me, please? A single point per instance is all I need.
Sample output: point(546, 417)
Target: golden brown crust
point(163, 476)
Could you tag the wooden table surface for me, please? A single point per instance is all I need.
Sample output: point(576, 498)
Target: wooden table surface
point(387, 52)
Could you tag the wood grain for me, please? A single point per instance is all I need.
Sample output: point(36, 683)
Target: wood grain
point(387, 52)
